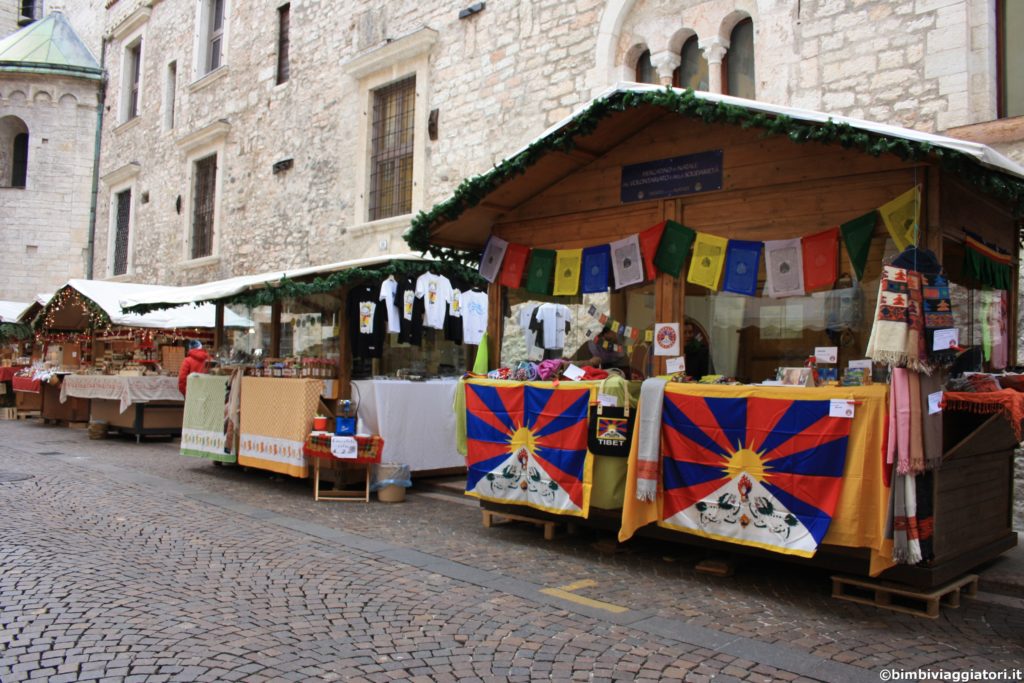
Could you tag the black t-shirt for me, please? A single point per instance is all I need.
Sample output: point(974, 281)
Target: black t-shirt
point(367, 321)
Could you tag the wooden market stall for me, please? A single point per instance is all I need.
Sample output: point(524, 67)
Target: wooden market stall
point(15, 352)
point(639, 178)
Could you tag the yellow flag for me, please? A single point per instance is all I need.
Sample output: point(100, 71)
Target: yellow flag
point(567, 271)
point(708, 261)
point(902, 217)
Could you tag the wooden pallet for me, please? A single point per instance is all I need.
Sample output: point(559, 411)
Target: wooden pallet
point(903, 599)
point(28, 415)
point(8, 413)
point(492, 518)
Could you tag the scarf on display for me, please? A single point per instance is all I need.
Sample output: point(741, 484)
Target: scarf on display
point(888, 341)
point(903, 527)
point(783, 261)
point(993, 328)
point(917, 355)
point(938, 315)
point(652, 396)
point(925, 514)
point(1005, 402)
point(931, 424)
point(930, 309)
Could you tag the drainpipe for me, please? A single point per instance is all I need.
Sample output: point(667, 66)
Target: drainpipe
point(101, 99)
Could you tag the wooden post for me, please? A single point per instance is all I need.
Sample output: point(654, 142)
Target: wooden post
point(495, 325)
point(218, 328)
point(275, 330)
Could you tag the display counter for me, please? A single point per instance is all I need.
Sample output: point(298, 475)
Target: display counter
point(55, 409)
point(139, 406)
point(276, 417)
point(414, 418)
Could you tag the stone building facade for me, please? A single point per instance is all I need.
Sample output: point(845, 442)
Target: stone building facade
point(49, 93)
point(279, 171)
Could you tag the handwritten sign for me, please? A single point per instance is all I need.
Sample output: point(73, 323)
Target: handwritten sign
point(344, 447)
point(840, 407)
point(675, 365)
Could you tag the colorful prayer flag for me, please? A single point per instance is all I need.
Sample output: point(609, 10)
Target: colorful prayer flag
point(783, 261)
point(490, 262)
point(742, 264)
point(567, 271)
point(514, 265)
point(674, 248)
point(627, 262)
point(902, 217)
point(527, 446)
point(596, 266)
point(708, 261)
point(540, 270)
point(760, 472)
point(820, 252)
point(985, 263)
point(649, 241)
point(857, 238)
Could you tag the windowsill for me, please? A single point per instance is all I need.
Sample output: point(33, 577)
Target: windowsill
point(209, 78)
point(200, 262)
point(381, 225)
point(128, 125)
point(127, 277)
point(12, 187)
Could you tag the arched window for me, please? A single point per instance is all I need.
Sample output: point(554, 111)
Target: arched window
point(14, 140)
point(645, 71)
point(693, 68)
point(738, 69)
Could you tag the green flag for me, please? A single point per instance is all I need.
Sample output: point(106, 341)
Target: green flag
point(674, 248)
point(857, 238)
point(540, 271)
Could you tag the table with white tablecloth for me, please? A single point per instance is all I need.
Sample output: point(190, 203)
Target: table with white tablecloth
point(148, 405)
point(415, 419)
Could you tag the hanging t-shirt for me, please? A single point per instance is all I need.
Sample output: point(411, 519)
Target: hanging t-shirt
point(551, 322)
point(453, 321)
point(436, 293)
point(388, 290)
point(410, 324)
point(474, 316)
point(529, 335)
point(367, 320)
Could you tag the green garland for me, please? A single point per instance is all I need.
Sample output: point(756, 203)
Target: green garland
point(97, 315)
point(287, 288)
point(473, 190)
point(14, 331)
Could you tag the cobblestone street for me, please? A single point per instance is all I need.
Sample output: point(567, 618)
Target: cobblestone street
point(128, 562)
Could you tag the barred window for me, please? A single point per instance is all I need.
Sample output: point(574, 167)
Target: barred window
point(122, 225)
point(283, 42)
point(392, 150)
point(203, 203)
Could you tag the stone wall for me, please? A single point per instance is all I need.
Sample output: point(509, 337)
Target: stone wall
point(45, 225)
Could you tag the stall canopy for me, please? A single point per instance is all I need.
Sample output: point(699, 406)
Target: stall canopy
point(101, 297)
point(11, 311)
point(208, 292)
point(464, 220)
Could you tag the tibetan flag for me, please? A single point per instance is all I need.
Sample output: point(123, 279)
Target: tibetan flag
point(820, 252)
point(742, 263)
point(783, 264)
point(567, 271)
point(674, 248)
point(649, 241)
point(596, 266)
point(902, 216)
point(627, 262)
point(857, 238)
point(527, 445)
point(761, 472)
point(540, 270)
point(514, 265)
point(708, 261)
point(490, 262)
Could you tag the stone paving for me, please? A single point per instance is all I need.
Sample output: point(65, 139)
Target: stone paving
point(120, 560)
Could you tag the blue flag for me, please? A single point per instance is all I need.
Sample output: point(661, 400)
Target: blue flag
point(596, 265)
point(742, 263)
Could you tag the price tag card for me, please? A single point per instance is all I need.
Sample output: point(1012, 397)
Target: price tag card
point(840, 407)
point(344, 447)
point(677, 364)
point(935, 403)
point(826, 354)
point(945, 339)
point(863, 364)
point(608, 400)
point(573, 372)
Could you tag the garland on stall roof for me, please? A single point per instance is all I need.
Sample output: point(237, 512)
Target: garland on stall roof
point(69, 296)
point(287, 288)
point(14, 331)
point(473, 190)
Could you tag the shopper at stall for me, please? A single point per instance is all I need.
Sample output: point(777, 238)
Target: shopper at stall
point(605, 350)
point(196, 360)
point(695, 348)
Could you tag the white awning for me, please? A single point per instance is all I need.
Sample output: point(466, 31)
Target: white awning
point(10, 311)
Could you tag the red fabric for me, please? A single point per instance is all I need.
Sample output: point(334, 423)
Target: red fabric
point(592, 373)
point(514, 265)
point(820, 251)
point(1006, 402)
point(26, 384)
point(6, 374)
point(195, 361)
point(318, 445)
point(649, 240)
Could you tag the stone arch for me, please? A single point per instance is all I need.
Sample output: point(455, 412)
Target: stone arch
point(679, 38)
point(42, 97)
point(729, 23)
point(14, 143)
point(68, 101)
point(17, 98)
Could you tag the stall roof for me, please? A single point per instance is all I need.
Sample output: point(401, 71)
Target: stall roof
point(107, 296)
point(11, 311)
point(464, 220)
point(221, 289)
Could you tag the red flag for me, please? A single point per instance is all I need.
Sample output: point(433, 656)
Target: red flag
point(514, 265)
point(821, 251)
point(649, 240)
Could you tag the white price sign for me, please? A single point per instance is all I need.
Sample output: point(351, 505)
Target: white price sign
point(344, 447)
point(840, 407)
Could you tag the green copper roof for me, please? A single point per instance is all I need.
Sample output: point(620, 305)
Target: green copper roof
point(49, 46)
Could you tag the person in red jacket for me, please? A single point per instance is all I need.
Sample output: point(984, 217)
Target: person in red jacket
point(195, 361)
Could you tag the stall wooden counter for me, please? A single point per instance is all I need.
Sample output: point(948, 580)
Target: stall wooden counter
point(136, 405)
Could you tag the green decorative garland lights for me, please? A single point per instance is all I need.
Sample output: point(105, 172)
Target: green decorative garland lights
point(69, 296)
point(14, 332)
point(287, 288)
point(473, 190)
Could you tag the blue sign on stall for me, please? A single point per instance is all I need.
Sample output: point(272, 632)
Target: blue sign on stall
point(672, 177)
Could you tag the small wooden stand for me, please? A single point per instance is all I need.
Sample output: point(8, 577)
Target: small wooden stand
point(341, 495)
point(492, 518)
point(908, 601)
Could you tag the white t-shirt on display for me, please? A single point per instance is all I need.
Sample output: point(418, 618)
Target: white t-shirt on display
point(474, 316)
point(436, 292)
point(388, 289)
point(554, 319)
